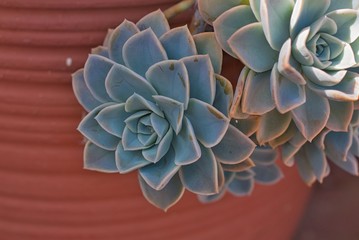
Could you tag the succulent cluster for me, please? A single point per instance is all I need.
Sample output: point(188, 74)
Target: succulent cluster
point(158, 105)
point(160, 109)
point(299, 85)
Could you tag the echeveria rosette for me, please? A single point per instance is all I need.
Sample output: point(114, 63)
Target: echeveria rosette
point(298, 56)
point(241, 183)
point(157, 104)
point(311, 158)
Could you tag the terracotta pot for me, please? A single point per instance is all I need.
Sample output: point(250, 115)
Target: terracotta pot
point(45, 193)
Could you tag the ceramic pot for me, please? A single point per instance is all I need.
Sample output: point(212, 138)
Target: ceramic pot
point(44, 191)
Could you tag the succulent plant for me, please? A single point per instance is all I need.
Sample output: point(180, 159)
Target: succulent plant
point(311, 158)
point(265, 172)
point(298, 56)
point(157, 104)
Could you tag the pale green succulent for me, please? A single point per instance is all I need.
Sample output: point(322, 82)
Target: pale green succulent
point(242, 183)
point(298, 56)
point(157, 104)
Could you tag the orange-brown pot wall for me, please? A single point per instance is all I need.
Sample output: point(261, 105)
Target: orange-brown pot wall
point(45, 193)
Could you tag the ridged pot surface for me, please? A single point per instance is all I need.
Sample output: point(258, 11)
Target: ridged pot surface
point(45, 193)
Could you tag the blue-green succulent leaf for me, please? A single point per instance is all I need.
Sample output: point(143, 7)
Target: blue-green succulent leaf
point(340, 115)
point(350, 165)
point(221, 177)
point(300, 49)
point(345, 60)
point(355, 48)
point(298, 139)
point(146, 45)
point(146, 120)
point(355, 70)
point(238, 167)
point(250, 40)
point(159, 174)
point(132, 122)
point(208, 123)
point(347, 20)
point(101, 50)
point(354, 149)
point(319, 140)
point(127, 161)
point(247, 126)
point(337, 145)
point(256, 8)
point(275, 16)
point(122, 82)
point(165, 198)
point(91, 129)
point(185, 144)
point(239, 187)
point(305, 12)
point(268, 175)
point(343, 4)
point(272, 125)
point(118, 38)
point(234, 148)
point(159, 125)
point(173, 111)
point(288, 66)
point(229, 22)
point(244, 175)
point(346, 90)
point(224, 94)
point(147, 139)
point(156, 21)
point(287, 95)
point(285, 137)
point(209, 13)
point(201, 177)
point(99, 159)
point(112, 119)
point(178, 43)
point(170, 79)
point(212, 198)
point(324, 26)
point(304, 168)
point(156, 152)
point(264, 156)
point(206, 43)
point(334, 45)
point(355, 119)
point(229, 176)
point(257, 99)
point(95, 73)
point(136, 103)
point(323, 78)
point(201, 77)
point(316, 159)
point(288, 152)
point(130, 141)
point(82, 92)
point(312, 116)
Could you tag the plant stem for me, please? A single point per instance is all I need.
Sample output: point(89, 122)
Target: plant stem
point(179, 8)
